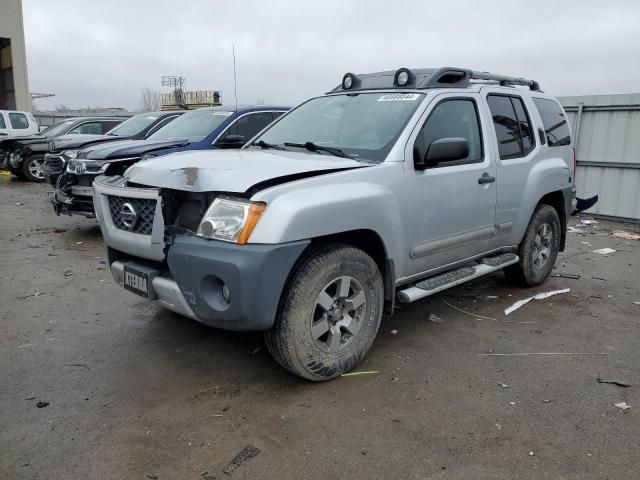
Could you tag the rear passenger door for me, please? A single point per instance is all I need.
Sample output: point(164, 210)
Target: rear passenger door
point(515, 140)
point(450, 209)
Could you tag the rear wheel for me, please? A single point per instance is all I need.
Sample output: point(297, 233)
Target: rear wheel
point(32, 168)
point(329, 313)
point(539, 248)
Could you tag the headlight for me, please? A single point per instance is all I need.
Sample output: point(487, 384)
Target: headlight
point(82, 167)
point(231, 220)
point(70, 154)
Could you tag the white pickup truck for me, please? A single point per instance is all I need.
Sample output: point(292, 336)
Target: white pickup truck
point(17, 124)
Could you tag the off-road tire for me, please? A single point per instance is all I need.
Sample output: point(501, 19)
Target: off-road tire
point(26, 172)
point(290, 340)
point(525, 272)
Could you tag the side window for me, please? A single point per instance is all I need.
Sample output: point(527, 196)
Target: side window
point(506, 125)
point(18, 121)
point(2, 124)
point(523, 122)
point(555, 123)
point(452, 118)
point(248, 126)
point(91, 128)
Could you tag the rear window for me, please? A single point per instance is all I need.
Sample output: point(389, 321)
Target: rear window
point(555, 123)
point(512, 125)
point(18, 121)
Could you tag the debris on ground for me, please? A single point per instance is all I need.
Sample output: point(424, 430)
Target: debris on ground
point(503, 385)
point(613, 382)
point(588, 222)
point(41, 404)
point(393, 332)
point(68, 272)
point(356, 374)
point(59, 230)
point(538, 353)
point(31, 295)
point(152, 477)
point(208, 476)
point(435, 318)
point(246, 454)
point(626, 235)
point(623, 405)
point(531, 454)
point(574, 230)
point(636, 303)
point(469, 313)
point(573, 276)
point(539, 296)
point(599, 278)
point(604, 251)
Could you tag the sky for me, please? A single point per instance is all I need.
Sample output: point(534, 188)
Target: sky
point(103, 53)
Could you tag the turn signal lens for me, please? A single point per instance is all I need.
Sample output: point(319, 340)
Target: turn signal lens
point(254, 214)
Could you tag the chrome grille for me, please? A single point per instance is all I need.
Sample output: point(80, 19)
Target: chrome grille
point(53, 165)
point(132, 214)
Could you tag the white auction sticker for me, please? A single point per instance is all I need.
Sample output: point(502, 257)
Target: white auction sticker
point(224, 114)
point(399, 97)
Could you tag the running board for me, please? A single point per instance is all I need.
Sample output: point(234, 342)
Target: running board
point(452, 278)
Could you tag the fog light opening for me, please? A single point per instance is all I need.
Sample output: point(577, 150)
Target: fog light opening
point(225, 293)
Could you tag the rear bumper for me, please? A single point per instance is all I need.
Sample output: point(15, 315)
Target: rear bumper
point(198, 269)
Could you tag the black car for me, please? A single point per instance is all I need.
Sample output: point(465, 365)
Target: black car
point(24, 156)
point(66, 147)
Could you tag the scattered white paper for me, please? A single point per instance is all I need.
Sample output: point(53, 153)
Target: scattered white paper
point(588, 222)
point(574, 230)
point(540, 296)
point(623, 405)
point(604, 251)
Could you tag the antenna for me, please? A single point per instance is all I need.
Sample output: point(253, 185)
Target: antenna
point(235, 82)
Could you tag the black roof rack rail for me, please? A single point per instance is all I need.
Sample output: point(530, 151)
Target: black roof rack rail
point(426, 78)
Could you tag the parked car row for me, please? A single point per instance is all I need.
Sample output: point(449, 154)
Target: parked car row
point(391, 187)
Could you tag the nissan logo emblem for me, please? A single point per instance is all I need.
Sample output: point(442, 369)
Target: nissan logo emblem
point(129, 215)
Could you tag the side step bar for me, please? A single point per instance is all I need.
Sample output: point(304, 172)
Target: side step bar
point(452, 278)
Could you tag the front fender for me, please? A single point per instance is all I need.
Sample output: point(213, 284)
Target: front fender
point(321, 210)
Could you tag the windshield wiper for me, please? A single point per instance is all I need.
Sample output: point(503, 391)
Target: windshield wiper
point(312, 147)
point(265, 145)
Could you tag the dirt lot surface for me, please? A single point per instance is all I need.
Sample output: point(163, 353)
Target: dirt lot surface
point(135, 392)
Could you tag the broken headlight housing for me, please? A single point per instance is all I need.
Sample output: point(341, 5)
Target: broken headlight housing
point(91, 167)
point(230, 219)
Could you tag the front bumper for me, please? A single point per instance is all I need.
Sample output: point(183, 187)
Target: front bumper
point(78, 202)
point(254, 275)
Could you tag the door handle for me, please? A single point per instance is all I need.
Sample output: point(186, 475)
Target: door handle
point(486, 178)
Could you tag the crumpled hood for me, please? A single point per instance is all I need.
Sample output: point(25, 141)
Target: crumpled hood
point(130, 148)
point(66, 142)
point(231, 170)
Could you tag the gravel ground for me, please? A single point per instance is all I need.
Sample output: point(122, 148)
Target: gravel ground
point(135, 392)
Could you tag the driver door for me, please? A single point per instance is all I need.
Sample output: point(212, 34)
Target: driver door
point(451, 205)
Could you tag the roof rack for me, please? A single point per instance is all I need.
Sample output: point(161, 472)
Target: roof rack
point(445, 77)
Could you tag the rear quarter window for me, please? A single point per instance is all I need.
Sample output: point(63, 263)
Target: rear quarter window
point(556, 127)
point(2, 124)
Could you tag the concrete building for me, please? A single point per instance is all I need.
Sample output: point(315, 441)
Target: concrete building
point(14, 85)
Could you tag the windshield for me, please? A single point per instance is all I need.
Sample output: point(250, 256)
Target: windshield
point(57, 128)
point(194, 125)
point(362, 125)
point(134, 125)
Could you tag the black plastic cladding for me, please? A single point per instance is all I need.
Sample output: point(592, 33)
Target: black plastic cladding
point(424, 78)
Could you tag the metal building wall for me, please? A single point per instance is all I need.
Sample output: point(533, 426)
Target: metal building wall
point(606, 129)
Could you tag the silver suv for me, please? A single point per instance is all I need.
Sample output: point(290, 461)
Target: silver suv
point(391, 187)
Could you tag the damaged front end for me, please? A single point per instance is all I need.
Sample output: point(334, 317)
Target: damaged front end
point(154, 251)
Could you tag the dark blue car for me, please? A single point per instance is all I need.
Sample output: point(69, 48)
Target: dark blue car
point(206, 128)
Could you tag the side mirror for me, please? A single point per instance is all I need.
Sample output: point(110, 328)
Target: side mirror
point(444, 150)
point(232, 141)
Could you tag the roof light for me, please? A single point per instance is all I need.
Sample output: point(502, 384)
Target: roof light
point(403, 77)
point(348, 81)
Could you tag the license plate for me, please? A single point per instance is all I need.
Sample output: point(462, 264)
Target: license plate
point(136, 281)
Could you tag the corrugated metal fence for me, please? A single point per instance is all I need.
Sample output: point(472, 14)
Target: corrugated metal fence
point(606, 129)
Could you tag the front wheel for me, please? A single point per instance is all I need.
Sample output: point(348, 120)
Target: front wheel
point(32, 168)
point(329, 313)
point(539, 248)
